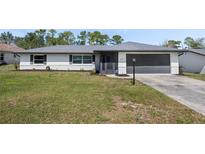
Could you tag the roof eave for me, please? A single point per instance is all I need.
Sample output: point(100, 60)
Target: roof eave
point(197, 53)
point(8, 51)
point(54, 52)
point(177, 50)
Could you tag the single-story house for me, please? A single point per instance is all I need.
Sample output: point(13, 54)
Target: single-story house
point(193, 61)
point(8, 54)
point(103, 59)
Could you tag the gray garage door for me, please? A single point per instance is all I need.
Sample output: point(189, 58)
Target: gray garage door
point(148, 63)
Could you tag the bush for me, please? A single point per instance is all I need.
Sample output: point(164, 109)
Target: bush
point(181, 70)
point(16, 67)
point(48, 68)
point(93, 72)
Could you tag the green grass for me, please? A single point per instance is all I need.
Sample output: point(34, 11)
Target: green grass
point(65, 97)
point(7, 67)
point(195, 76)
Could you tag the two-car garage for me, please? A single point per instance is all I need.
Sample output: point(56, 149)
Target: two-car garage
point(148, 63)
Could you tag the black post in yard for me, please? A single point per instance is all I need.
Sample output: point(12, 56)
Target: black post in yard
point(133, 79)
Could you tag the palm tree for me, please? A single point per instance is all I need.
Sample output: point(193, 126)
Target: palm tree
point(172, 44)
point(194, 43)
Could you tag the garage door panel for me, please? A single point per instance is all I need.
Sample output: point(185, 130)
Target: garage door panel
point(149, 69)
point(149, 63)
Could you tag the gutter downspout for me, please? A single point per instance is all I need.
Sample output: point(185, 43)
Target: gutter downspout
point(182, 53)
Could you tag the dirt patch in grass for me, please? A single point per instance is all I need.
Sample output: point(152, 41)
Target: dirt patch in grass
point(132, 112)
point(128, 111)
point(119, 113)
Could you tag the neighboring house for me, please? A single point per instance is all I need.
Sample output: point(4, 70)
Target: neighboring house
point(8, 54)
point(103, 59)
point(193, 61)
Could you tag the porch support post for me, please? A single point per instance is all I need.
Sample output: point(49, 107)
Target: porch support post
point(122, 63)
point(100, 67)
point(174, 63)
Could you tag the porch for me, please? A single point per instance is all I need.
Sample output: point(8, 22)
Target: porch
point(108, 63)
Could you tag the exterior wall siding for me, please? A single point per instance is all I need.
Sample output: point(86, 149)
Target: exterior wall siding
point(174, 63)
point(122, 63)
point(192, 62)
point(61, 62)
point(55, 62)
point(9, 58)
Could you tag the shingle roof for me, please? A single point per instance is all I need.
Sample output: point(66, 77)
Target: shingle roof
point(67, 49)
point(135, 46)
point(10, 48)
point(127, 46)
point(198, 51)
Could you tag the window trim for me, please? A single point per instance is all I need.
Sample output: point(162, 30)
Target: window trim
point(33, 62)
point(82, 55)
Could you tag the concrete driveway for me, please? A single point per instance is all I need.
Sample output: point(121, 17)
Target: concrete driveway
point(190, 92)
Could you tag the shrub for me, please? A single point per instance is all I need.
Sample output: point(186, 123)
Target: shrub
point(16, 67)
point(93, 72)
point(181, 70)
point(48, 68)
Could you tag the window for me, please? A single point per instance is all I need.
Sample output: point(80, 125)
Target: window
point(38, 59)
point(77, 59)
point(1, 56)
point(87, 59)
point(82, 59)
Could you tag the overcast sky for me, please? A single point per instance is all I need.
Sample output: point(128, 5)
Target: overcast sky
point(150, 36)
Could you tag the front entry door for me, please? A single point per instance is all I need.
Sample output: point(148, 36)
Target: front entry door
point(106, 59)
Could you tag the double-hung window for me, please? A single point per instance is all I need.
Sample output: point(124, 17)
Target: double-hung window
point(1, 56)
point(82, 59)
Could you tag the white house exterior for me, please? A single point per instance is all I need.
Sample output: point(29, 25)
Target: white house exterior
point(55, 62)
point(8, 54)
point(103, 59)
point(8, 58)
point(193, 61)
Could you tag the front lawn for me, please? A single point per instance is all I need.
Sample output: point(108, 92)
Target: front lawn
point(65, 97)
point(195, 76)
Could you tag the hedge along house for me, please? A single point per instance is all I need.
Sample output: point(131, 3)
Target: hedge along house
point(103, 59)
